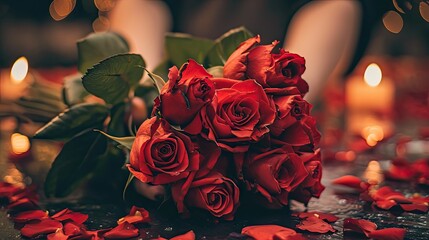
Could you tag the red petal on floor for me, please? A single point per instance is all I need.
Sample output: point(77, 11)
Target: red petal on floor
point(419, 199)
point(324, 216)
point(388, 234)
point(67, 214)
point(23, 204)
point(136, 215)
point(187, 236)
point(359, 226)
point(315, 225)
point(58, 235)
point(385, 204)
point(351, 181)
point(400, 170)
point(7, 190)
point(386, 193)
point(262, 232)
point(27, 216)
point(73, 229)
point(415, 207)
point(287, 236)
point(43, 226)
point(122, 231)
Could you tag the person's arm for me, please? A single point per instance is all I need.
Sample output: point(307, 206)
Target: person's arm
point(144, 24)
point(325, 34)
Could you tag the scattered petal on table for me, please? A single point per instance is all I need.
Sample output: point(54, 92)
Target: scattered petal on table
point(388, 234)
point(324, 216)
point(58, 235)
point(44, 226)
point(73, 229)
point(23, 204)
point(352, 182)
point(386, 193)
point(385, 204)
point(187, 236)
point(67, 214)
point(316, 225)
point(136, 215)
point(122, 231)
point(263, 232)
point(27, 216)
point(400, 170)
point(415, 207)
point(359, 226)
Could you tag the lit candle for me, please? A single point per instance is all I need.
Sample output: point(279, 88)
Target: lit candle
point(15, 80)
point(369, 102)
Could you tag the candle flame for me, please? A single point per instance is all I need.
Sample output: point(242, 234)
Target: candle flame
point(372, 75)
point(19, 70)
point(19, 143)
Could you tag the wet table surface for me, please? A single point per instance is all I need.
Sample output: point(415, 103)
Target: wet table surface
point(339, 201)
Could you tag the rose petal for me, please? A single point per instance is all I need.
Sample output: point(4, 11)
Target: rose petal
point(385, 204)
point(386, 193)
point(315, 225)
point(359, 226)
point(58, 235)
point(324, 216)
point(73, 229)
point(27, 216)
point(351, 181)
point(67, 214)
point(414, 207)
point(136, 215)
point(262, 232)
point(122, 231)
point(23, 204)
point(43, 226)
point(388, 234)
point(187, 236)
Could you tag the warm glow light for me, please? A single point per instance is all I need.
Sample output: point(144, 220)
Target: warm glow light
point(372, 135)
point(19, 70)
point(101, 24)
point(104, 5)
point(393, 21)
point(424, 11)
point(60, 9)
point(19, 143)
point(373, 172)
point(372, 75)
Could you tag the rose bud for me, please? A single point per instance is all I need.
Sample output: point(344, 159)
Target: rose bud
point(236, 65)
point(161, 155)
point(186, 92)
point(274, 174)
point(239, 115)
point(215, 193)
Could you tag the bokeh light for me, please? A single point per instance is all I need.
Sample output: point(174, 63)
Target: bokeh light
point(373, 75)
point(393, 21)
point(19, 143)
point(60, 9)
point(424, 11)
point(19, 70)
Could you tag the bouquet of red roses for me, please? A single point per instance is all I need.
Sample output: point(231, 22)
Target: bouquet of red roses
point(212, 138)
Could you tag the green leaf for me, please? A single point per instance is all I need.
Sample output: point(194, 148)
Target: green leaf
point(225, 45)
point(216, 71)
point(74, 164)
point(74, 120)
point(113, 77)
point(117, 126)
point(73, 90)
point(148, 93)
point(180, 47)
point(157, 80)
point(99, 46)
point(124, 141)
point(127, 184)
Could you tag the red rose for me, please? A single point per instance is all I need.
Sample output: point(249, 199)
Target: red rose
point(215, 193)
point(185, 93)
point(160, 155)
point(274, 174)
point(239, 115)
point(290, 109)
point(271, 70)
point(311, 186)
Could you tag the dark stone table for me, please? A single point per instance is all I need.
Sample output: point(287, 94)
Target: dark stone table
point(335, 200)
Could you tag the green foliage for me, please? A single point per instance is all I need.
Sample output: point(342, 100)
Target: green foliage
point(113, 78)
point(73, 90)
point(97, 47)
point(180, 47)
point(73, 121)
point(124, 141)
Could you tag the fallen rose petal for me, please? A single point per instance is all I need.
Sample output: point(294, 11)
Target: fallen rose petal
point(388, 234)
point(385, 204)
point(7, 189)
point(419, 199)
point(386, 193)
point(359, 226)
point(73, 229)
point(415, 207)
point(23, 204)
point(352, 182)
point(187, 236)
point(262, 232)
point(400, 170)
point(324, 216)
point(27, 216)
point(91, 235)
point(315, 225)
point(58, 235)
point(136, 215)
point(122, 231)
point(67, 214)
point(285, 235)
point(43, 226)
